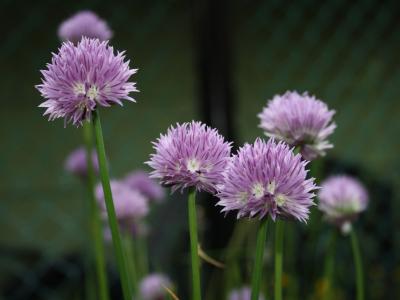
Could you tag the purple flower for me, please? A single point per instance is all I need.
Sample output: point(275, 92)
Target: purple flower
point(84, 24)
point(77, 165)
point(140, 180)
point(80, 78)
point(129, 204)
point(342, 198)
point(299, 120)
point(190, 155)
point(243, 293)
point(152, 287)
point(267, 178)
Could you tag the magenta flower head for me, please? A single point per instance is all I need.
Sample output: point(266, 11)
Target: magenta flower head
point(301, 121)
point(83, 77)
point(129, 204)
point(140, 181)
point(243, 293)
point(76, 162)
point(152, 287)
point(267, 178)
point(190, 155)
point(341, 199)
point(84, 24)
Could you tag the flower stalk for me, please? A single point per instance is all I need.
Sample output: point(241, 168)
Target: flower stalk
point(142, 256)
point(194, 244)
point(329, 267)
point(279, 230)
point(258, 262)
point(129, 249)
point(94, 217)
point(358, 265)
point(112, 219)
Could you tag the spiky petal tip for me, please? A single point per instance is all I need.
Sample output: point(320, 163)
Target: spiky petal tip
point(267, 178)
point(301, 121)
point(190, 155)
point(80, 78)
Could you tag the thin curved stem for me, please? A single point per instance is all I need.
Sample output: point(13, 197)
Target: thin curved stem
point(258, 261)
point(358, 265)
point(279, 229)
point(112, 218)
point(94, 216)
point(194, 245)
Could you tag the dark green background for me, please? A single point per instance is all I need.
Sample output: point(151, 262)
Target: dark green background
point(345, 52)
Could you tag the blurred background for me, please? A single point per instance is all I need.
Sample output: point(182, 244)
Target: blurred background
point(216, 61)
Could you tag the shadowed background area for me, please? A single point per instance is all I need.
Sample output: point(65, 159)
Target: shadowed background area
point(218, 61)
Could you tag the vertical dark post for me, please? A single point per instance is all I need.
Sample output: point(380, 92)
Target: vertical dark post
point(213, 64)
point(215, 95)
point(213, 58)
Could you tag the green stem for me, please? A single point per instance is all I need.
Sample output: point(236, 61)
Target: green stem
point(279, 227)
point(143, 258)
point(94, 217)
point(112, 218)
point(329, 267)
point(131, 262)
point(290, 260)
point(90, 291)
point(194, 244)
point(258, 262)
point(358, 265)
